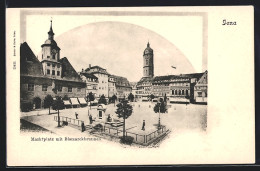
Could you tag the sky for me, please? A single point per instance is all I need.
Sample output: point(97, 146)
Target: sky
point(116, 43)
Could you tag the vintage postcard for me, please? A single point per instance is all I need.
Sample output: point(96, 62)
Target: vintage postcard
point(130, 86)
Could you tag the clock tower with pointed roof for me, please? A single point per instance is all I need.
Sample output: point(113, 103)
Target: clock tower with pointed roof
point(148, 68)
point(51, 56)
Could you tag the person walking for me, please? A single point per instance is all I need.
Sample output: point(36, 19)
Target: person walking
point(143, 127)
point(90, 119)
point(82, 127)
point(76, 115)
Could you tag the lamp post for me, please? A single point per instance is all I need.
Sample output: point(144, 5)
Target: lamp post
point(159, 122)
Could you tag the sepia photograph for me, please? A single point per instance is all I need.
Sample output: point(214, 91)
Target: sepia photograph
point(126, 82)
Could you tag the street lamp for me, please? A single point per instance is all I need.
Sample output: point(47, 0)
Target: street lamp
point(159, 122)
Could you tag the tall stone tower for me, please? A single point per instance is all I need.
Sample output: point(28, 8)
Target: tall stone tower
point(148, 69)
point(51, 56)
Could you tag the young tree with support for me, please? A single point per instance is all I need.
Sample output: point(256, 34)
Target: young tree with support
point(91, 97)
point(114, 98)
point(152, 97)
point(102, 100)
point(124, 110)
point(131, 97)
point(160, 107)
point(48, 101)
point(58, 104)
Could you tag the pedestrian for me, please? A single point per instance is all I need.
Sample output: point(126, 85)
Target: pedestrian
point(76, 115)
point(90, 119)
point(109, 118)
point(143, 127)
point(82, 127)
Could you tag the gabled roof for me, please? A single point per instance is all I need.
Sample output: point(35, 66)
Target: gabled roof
point(181, 76)
point(87, 75)
point(193, 75)
point(68, 72)
point(144, 79)
point(100, 70)
point(29, 64)
point(121, 81)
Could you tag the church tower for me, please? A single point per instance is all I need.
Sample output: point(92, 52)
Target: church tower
point(148, 69)
point(51, 56)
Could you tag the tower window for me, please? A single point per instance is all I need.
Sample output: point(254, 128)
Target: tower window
point(53, 72)
point(146, 61)
point(58, 73)
point(48, 72)
point(30, 87)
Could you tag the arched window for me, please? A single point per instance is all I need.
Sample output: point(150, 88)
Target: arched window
point(175, 92)
point(179, 92)
point(172, 92)
point(182, 92)
point(187, 92)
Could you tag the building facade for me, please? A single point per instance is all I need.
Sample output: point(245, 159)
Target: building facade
point(49, 76)
point(91, 82)
point(201, 89)
point(123, 87)
point(102, 76)
point(177, 88)
point(112, 86)
point(34, 84)
point(134, 89)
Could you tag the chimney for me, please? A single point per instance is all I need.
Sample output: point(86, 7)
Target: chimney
point(89, 65)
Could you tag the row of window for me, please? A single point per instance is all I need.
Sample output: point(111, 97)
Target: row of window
point(91, 79)
point(53, 56)
point(53, 65)
point(53, 72)
point(159, 81)
point(200, 87)
point(160, 88)
point(180, 92)
point(44, 88)
point(102, 88)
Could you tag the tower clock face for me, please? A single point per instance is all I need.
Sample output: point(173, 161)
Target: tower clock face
point(54, 51)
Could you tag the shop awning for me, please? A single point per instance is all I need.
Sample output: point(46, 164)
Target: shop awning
point(82, 101)
point(74, 101)
point(66, 102)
